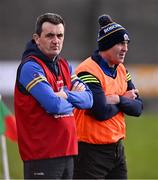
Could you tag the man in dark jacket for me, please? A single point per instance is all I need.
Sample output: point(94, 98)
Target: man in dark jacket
point(102, 128)
point(46, 93)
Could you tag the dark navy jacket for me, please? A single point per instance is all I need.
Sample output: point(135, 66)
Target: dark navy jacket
point(101, 110)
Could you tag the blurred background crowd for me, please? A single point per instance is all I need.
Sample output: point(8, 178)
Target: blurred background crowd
point(17, 20)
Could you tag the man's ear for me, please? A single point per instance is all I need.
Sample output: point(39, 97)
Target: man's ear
point(36, 38)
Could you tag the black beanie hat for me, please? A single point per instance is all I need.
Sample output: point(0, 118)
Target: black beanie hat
point(110, 33)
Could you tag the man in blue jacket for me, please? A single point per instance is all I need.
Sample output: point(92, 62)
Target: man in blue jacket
point(46, 93)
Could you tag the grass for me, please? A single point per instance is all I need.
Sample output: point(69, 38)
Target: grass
point(141, 149)
point(14, 161)
point(142, 146)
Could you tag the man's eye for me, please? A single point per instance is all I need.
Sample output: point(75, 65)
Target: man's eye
point(50, 35)
point(60, 35)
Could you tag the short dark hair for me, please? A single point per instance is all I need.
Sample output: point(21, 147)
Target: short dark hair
point(48, 17)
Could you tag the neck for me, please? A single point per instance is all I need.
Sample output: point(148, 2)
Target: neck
point(54, 58)
point(105, 57)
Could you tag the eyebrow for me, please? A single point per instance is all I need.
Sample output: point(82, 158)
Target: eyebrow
point(53, 34)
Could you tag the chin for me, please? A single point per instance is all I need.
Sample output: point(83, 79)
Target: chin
point(121, 60)
point(54, 54)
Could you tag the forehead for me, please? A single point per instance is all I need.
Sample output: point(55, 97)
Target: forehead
point(52, 28)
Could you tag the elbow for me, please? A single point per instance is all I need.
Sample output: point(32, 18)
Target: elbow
point(57, 107)
point(139, 112)
point(139, 109)
point(90, 100)
point(135, 112)
point(133, 109)
point(87, 103)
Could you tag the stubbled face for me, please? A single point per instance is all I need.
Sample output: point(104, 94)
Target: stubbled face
point(50, 42)
point(117, 53)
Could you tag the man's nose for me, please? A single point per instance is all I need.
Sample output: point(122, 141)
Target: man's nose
point(125, 47)
point(55, 39)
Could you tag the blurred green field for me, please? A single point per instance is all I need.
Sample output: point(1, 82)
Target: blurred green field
point(142, 146)
point(141, 149)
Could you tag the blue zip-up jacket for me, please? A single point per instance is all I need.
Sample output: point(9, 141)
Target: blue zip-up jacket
point(53, 104)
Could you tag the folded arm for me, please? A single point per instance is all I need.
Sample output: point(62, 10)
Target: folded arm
point(32, 77)
point(101, 109)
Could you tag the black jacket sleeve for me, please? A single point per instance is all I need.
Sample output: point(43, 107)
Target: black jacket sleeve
point(131, 107)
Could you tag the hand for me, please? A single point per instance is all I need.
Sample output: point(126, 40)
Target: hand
point(131, 94)
point(112, 99)
point(78, 86)
point(62, 94)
